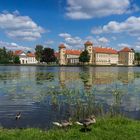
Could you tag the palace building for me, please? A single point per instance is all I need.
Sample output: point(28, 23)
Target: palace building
point(26, 58)
point(98, 55)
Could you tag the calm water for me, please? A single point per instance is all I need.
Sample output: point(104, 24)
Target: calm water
point(42, 95)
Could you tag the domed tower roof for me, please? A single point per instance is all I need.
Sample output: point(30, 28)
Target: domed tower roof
point(61, 46)
point(126, 49)
point(88, 43)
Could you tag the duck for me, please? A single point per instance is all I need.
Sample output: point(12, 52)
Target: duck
point(18, 116)
point(87, 122)
point(63, 124)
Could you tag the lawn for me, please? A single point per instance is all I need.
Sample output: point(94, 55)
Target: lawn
point(117, 128)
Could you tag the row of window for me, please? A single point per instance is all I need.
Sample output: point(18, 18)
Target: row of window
point(105, 55)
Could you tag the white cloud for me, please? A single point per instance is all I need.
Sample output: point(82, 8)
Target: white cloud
point(130, 26)
point(20, 27)
point(13, 46)
point(122, 45)
point(98, 41)
point(64, 35)
point(138, 38)
point(48, 43)
point(87, 9)
point(138, 47)
point(76, 41)
point(135, 46)
point(103, 40)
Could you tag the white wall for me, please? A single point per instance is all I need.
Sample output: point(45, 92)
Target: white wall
point(31, 60)
point(27, 60)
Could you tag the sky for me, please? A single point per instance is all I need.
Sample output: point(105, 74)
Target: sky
point(107, 23)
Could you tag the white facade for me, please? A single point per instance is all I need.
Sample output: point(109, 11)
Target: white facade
point(114, 58)
point(126, 57)
point(26, 58)
point(31, 60)
point(23, 58)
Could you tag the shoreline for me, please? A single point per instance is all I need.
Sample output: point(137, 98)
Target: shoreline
point(47, 65)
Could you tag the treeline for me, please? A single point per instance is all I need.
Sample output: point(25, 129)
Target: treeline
point(7, 57)
point(46, 55)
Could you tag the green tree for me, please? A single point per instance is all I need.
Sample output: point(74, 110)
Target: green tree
point(16, 60)
point(137, 57)
point(4, 56)
point(10, 56)
point(38, 52)
point(84, 57)
point(48, 55)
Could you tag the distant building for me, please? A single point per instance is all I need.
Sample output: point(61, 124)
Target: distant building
point(98, 55)
point(68, 56)
point(26, 58)
point(126, 56)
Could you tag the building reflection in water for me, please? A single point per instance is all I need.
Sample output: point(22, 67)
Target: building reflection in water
point(111, 86)
point(95, 76)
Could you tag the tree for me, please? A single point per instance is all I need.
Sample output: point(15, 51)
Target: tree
point(84, 57)
point(10, 56)
point(48, 55)
point(16, 60)
point(137, 57)
point(38, 53)
point(4, 56)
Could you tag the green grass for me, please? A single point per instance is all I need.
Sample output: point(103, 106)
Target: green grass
point(105, 129)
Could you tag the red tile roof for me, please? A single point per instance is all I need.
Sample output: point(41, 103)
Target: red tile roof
point(73, 52)
point(30, 55)
point(62, 46)
point(126, 49)
point(105, 50)
point(88, 43)
point(18, 52)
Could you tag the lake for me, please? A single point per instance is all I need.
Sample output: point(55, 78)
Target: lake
point(47, 94)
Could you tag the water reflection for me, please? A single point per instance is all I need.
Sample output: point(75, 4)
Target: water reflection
point(93, 76)
point(56, 93)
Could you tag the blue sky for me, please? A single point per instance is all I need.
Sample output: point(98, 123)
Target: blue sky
point(108, 23)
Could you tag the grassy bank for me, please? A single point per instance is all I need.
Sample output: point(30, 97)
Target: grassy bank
point(105, 129)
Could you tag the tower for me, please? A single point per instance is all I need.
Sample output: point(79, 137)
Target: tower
point(62, 57)
point(88, 47)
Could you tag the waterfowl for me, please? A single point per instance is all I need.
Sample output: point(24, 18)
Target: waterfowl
point(18, 116)
point(87, 122)
point(93, 119)
point(63, 124)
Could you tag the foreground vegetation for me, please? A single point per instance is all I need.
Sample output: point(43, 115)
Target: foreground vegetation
point(117, 128)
